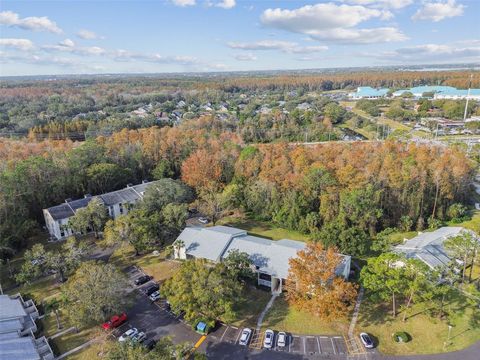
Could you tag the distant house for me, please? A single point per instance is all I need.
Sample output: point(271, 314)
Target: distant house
point(441, 92)
point(304, 106)
point(181, 104)
point(270, 258)
point(367, 92)
point(116, 203)
point(17, 325)
point(428, 246)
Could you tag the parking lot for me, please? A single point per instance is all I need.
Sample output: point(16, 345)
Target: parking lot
point(156, 321)
point(296, 344)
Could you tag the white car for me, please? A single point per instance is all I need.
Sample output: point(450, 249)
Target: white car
point(245, 337)
point(366, 340)
point(155, 296)
point(203, 220)
point(139, 337)
point(268, 339)
point(130, 333)
point(281, 339)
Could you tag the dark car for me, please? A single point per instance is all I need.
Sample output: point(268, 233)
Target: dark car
point(151, 289)
point(149, 344)
point(143, 279)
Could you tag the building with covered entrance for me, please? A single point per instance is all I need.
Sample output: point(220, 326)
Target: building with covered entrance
point(270, 258)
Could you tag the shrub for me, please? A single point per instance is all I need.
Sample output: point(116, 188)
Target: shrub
point(401, 337)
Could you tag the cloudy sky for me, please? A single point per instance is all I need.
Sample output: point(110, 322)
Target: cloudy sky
point(66, 37)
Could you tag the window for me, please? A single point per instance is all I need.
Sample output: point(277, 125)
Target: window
point(120, 206)
point(265, 277)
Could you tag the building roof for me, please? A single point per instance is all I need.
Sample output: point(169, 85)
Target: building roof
point(208, 243)
point(440, 90)
point(11, 308)
point(428, 246)
point(18, 348)
point(269, 256)
point(367, 91)
point(126, 195)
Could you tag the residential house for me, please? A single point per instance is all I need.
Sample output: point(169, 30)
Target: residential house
point(116, 203)
point(17, 327)
point(270, 258)
point(367, 92)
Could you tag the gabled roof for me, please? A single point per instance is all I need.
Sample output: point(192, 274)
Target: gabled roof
point(269, 256)
point(428, 246)
point(208, 243)
point(11, 308)
point(126, 195)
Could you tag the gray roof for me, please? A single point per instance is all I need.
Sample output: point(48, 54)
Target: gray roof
point(18, 348)
point(126, 195)
point(208, 243)
point(428, 246)
point(269, 256)
point(11, 308)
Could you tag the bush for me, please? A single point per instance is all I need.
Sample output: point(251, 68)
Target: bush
point(401, 337)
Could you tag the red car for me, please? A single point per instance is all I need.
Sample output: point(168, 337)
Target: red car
point(115, 321)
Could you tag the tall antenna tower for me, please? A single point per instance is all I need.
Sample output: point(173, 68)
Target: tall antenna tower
point(468, 97)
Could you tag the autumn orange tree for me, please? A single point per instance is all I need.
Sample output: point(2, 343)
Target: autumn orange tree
point(313, 285)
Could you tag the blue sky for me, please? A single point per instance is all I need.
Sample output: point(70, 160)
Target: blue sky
point(67, 37)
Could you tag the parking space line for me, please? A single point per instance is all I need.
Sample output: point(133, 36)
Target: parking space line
point(319, 347)
point(304, 346)
point(333, 346)
point(290, 340)
point(238, 336)
point(226, 329)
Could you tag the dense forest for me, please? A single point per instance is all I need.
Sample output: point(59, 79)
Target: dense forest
point(342, 193)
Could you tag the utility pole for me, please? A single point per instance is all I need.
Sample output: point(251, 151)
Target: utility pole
point(468, 97)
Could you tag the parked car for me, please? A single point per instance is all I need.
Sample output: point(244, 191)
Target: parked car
point(149, 344)
point(138, 337)
point(366, 340)
point(115, 321)
point(268, 339)
point(203, 220)
point(143, 279)
point(151, 289)
point(245, 337)
point(155, 296)
point(128, 334)
point(281, 339)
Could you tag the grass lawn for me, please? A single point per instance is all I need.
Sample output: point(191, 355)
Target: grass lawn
point(73, 339)
point(158, 267)
point(428, 334)
point(94, 351)
point(249, 310)
point(263, 229)
point(283, 317)
point(397, 237)
point(472, 224)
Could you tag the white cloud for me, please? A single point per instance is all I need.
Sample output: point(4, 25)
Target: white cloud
point(68, 45)
point(437, 11)
point(332, 22)
point(284, 46)
point(17, 44)
point(434, 53)
point(384, 4)
point(245, 57)
point(226, 4)
point(87, 35)
point(184, 3)
point(9, 18)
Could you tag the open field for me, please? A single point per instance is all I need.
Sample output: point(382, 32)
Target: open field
point(283, 317)
point(263, 229)
point(428, 334)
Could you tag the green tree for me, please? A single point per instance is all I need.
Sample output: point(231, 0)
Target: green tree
point(163, 170)
point(464, 247)
point(239, 265)
point(456, 212)
point(94, 293)
point(165, 191)
point(203, 291)
point(418, 278)
point(175, 216)
point(136, 228)
point(105, 177)
point(384, 277)
point(334, 112)
point(90, 218)
point(163, 350)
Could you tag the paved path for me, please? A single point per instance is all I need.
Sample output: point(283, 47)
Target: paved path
point(356, 310)
point(62, 333)
point(74, 350)
point(264, 312)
